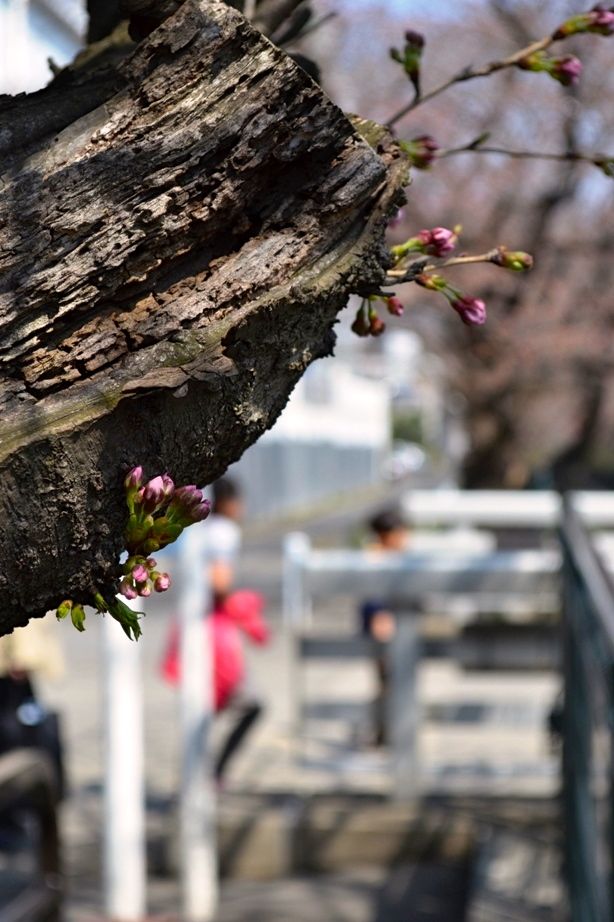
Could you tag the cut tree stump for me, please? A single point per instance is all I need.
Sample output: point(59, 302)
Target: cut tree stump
point(177, 236)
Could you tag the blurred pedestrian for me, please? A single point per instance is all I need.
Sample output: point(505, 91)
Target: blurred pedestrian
point(235, 614)
point(390, 534)
point(27, 654)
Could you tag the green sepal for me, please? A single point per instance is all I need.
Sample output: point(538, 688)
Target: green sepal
point(64, 609)
point(100, 603)
point(77, 615)
point(137, 531)
point(128, 618)
point(165, 532)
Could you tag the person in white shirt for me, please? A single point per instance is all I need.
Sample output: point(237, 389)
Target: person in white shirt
point(223, 533)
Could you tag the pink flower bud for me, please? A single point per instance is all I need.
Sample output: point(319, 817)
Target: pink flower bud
point(127, 589)
point(140, 574)
point(162, 582)
point(395, 306)
point(598, 21)
point(150, 563)
point(134, 478)
point(376, 324)
point(199, 513)
point(439, 241)
point(472, 311)
point(157, 492)
point(515, 260)
point(566, 70)
point(420, 151)
point(145, 591)
point(414, 39)
point(188, 496)
point(397, 218)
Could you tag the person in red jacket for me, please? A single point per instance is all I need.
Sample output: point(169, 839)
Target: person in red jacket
point(238, 615)
point(235, 614)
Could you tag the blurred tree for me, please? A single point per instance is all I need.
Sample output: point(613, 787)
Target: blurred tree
point(537, 378)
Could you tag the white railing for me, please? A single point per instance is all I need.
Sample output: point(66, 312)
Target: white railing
point(506, 508)
point(505, 582)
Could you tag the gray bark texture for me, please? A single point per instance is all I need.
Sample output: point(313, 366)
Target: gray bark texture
point(177, 236)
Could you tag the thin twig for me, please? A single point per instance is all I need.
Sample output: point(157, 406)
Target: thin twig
point(409, 273)
point(523, 154)
point(471, 73)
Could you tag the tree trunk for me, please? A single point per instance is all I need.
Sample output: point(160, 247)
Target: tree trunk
point(177, 238)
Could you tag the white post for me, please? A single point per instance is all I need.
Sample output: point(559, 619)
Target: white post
point(197, 845)
point(295, 550)
point(404, 708)
point(124, 793)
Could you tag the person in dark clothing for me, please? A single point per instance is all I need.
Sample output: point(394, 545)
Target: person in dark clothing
point(391, 535)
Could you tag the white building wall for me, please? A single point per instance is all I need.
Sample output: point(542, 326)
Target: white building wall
point(333, 404)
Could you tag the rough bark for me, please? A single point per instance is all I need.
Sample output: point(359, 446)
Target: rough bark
point(171, 262)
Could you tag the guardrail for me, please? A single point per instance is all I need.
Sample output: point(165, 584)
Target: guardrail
point(27, 778)
point(506, 508)
point(467, 584)
point(588, 724)
point(408, 582)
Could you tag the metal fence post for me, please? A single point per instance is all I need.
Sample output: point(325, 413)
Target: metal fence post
point(197, 841)
point(403, 708)
point(296, 549)
point(124, 793)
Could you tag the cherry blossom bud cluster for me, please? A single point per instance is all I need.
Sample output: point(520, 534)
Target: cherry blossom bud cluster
point(368, 322)
point(141, 578)
point(567, 69)
point(158, 512)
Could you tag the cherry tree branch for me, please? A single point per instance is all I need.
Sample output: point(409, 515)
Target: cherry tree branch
point(472, 73)
point(564, 156)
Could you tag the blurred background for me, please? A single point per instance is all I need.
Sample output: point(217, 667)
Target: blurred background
point(458, 811)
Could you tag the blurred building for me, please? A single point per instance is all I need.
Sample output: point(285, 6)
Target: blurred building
point(332, 438)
